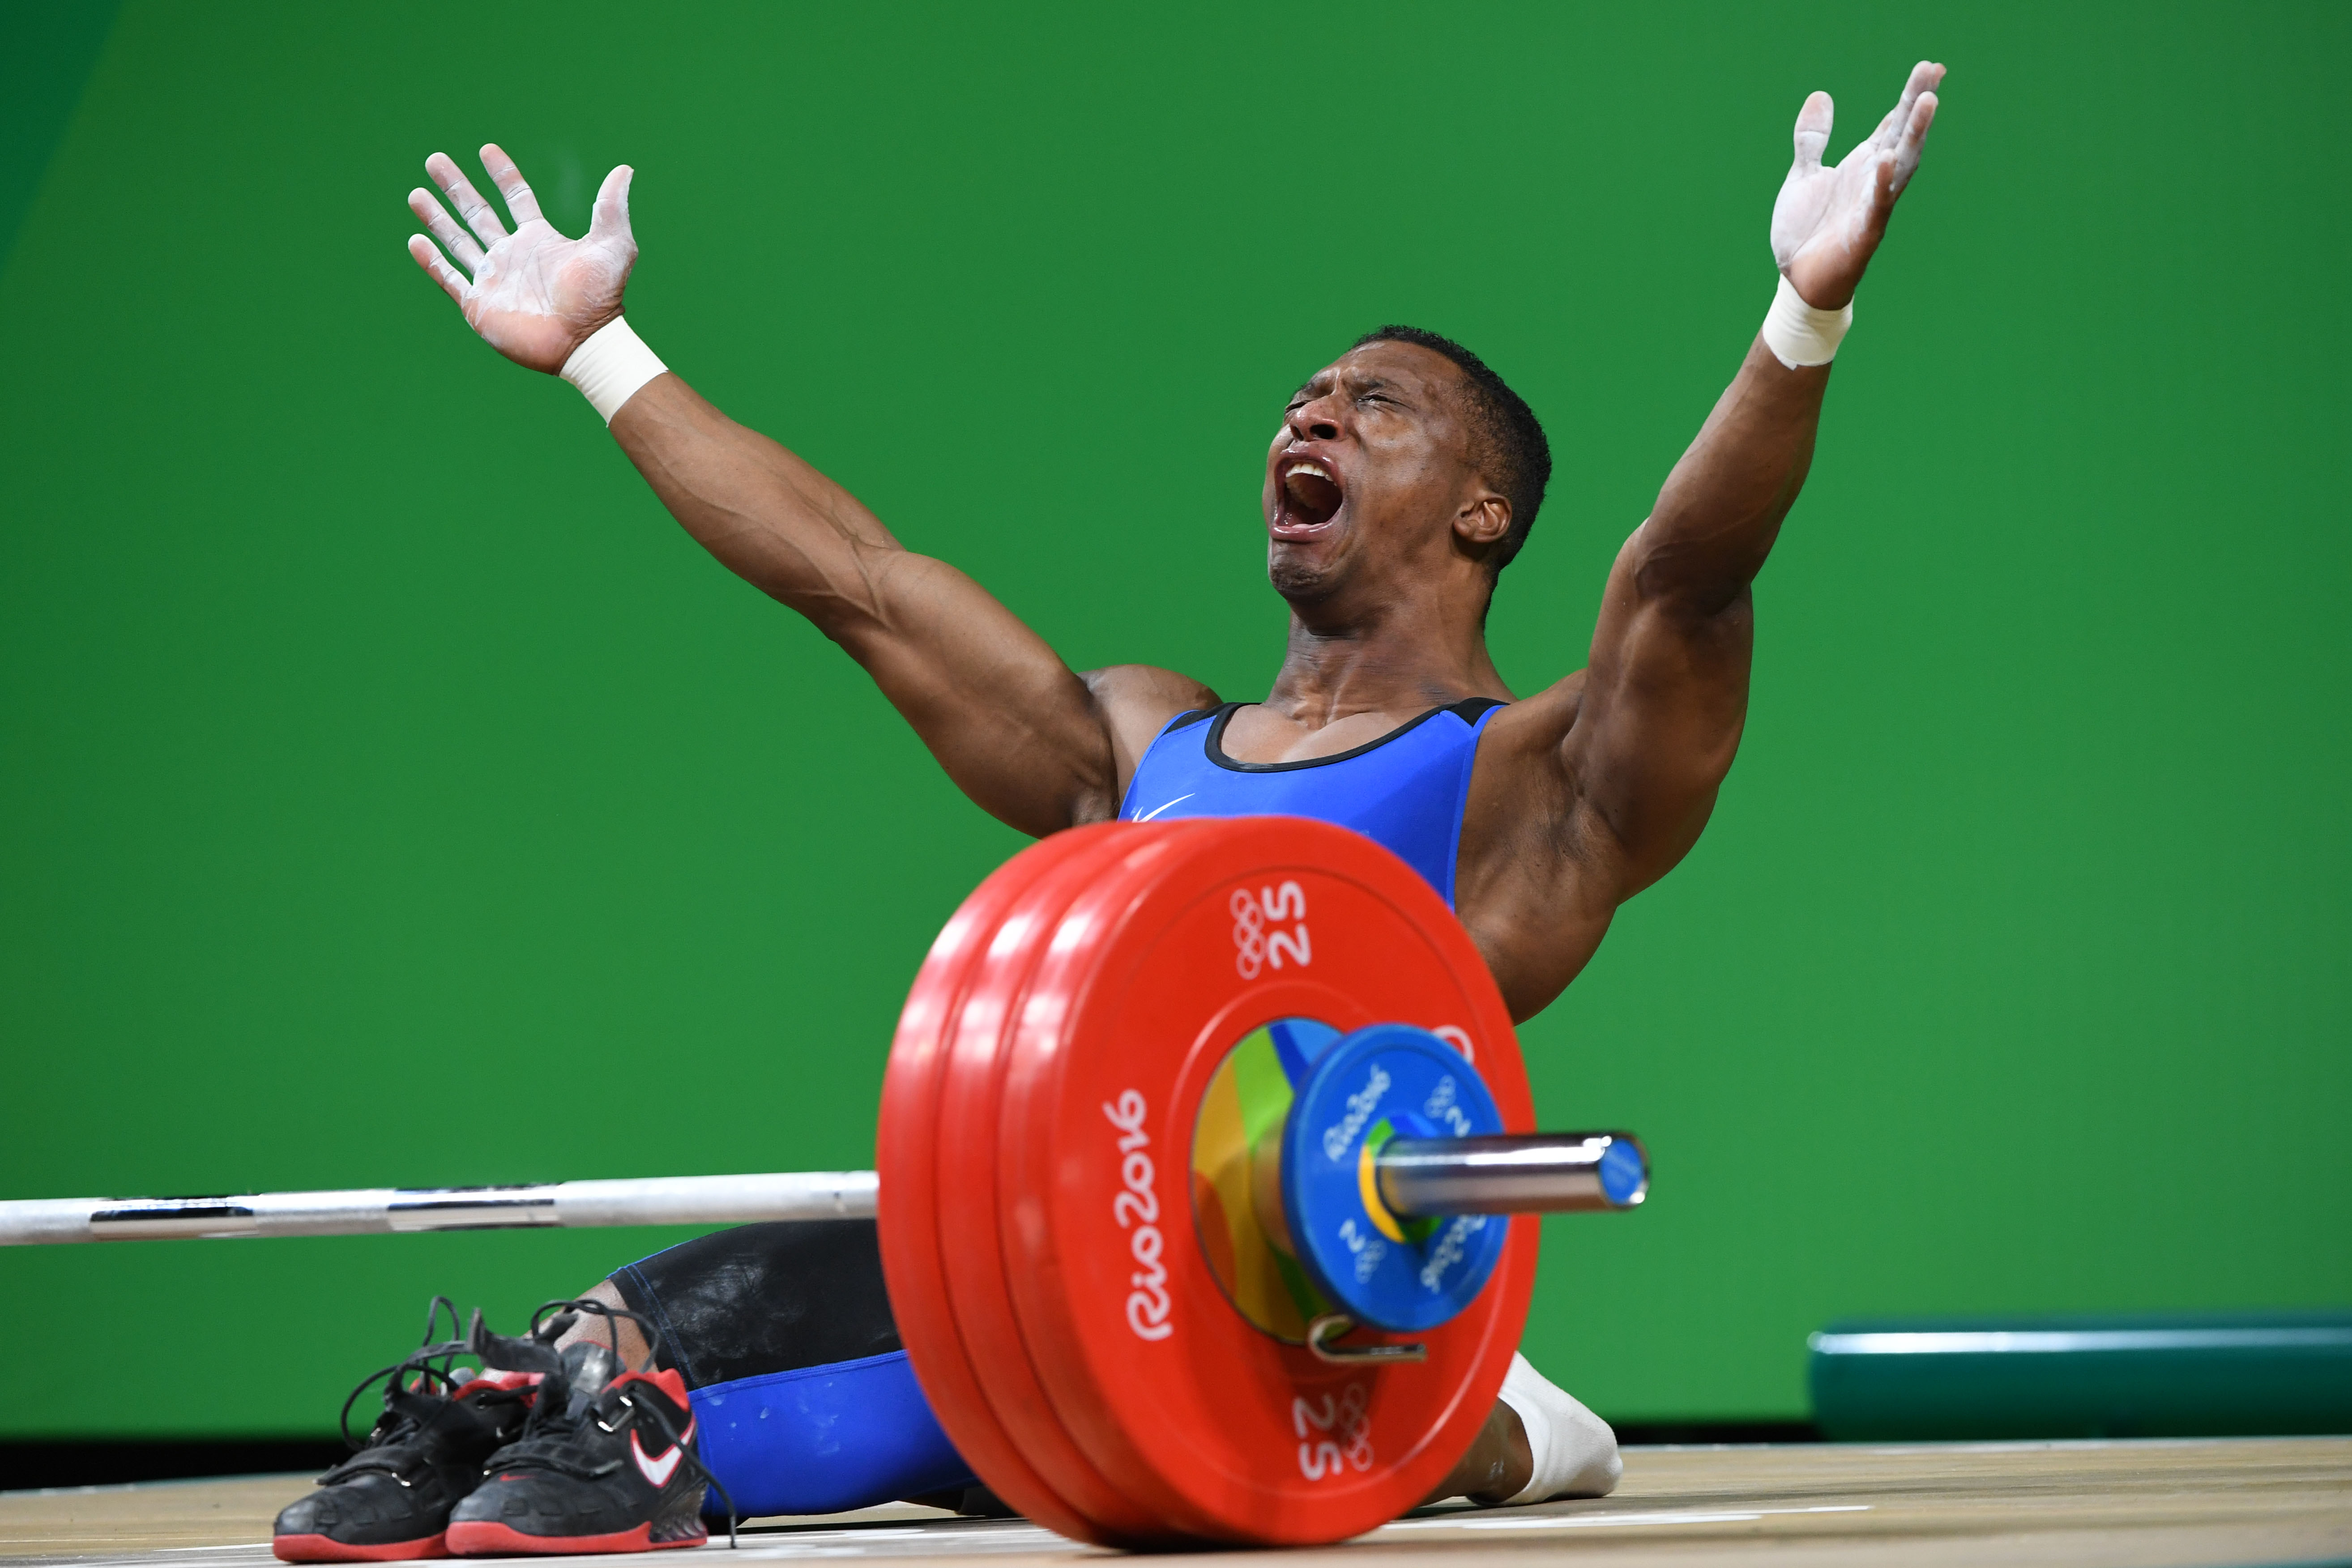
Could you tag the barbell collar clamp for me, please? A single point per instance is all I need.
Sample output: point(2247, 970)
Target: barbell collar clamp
point(1331, 1325)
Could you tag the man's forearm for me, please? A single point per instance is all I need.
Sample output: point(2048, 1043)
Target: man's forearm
point(770, 518)
point(1721, 507)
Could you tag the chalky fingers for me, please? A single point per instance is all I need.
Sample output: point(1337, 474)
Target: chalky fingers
point(480, 215)
point(522, 205)
point(442, 227)
point(453, 282)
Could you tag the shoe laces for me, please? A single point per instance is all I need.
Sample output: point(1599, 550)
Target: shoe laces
point(552, 1431)
point(414, 1377)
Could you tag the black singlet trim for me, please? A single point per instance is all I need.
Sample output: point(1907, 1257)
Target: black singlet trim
point(1467, 710)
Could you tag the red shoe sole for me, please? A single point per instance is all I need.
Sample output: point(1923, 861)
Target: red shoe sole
point(324, 1549)
point(487, 1537)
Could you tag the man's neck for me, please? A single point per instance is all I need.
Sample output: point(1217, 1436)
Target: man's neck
point(1402, 662)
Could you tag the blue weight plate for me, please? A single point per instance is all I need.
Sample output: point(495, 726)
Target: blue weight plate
point(1387, 1081)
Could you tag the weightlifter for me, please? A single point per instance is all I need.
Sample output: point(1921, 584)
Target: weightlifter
point(1401, 480)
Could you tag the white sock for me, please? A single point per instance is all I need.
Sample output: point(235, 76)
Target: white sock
point(1575, 1451)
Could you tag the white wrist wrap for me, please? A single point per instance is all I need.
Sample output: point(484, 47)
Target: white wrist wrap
point(1797, 334)
point(611, 366)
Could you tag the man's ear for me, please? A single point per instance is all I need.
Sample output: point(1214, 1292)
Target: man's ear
point(1484, 518)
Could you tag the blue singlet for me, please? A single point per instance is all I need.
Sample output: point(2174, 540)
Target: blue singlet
point(1404, 790)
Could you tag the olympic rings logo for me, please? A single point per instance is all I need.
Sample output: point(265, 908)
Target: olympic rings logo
point(1349, 1445)
point(1249, 933)
point(1255, 947)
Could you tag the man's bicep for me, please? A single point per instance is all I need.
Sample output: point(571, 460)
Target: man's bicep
point(1663, 702)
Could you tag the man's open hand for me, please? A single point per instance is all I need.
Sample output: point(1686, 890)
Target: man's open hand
point(1828, 221)
point(534, 296)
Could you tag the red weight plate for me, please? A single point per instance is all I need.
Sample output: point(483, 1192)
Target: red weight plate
point(908, 1215)
point(1068, 937)
point(1177, 1399)
point(968, 1121)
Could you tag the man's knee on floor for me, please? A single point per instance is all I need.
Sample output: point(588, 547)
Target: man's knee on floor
point(627, 1341)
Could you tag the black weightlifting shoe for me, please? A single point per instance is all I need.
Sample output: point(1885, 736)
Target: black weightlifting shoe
point(391, 1499)
point(606, 1462)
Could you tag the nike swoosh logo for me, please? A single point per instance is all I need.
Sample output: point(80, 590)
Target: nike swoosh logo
point(658, 1471)
point(1156, 809)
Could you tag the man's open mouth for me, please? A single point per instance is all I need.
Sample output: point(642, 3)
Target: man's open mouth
point(1308, 498)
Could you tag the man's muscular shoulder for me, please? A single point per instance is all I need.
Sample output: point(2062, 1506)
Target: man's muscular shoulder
point(1519, 772)
point(1523, 799)
point(1536, 882)
point(1135, 701)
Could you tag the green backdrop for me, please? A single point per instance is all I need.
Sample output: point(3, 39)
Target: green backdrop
point(389, 793)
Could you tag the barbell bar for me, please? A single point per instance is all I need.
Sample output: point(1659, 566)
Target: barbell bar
point(1540, 1173)
point(378, 1211)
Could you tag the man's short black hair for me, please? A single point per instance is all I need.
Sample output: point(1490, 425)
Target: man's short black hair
point(1510, 442)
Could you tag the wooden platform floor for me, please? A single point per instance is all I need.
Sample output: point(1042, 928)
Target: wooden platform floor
point(2195, 1504)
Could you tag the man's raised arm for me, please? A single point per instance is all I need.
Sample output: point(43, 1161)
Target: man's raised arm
point(1019, 732)
point(1666, 691)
